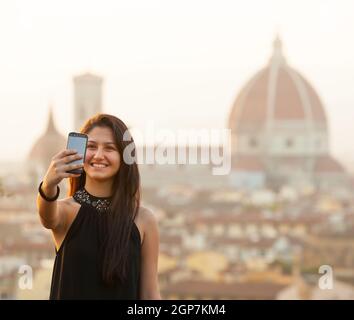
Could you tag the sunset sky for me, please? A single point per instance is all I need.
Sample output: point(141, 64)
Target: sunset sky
point(177, 63)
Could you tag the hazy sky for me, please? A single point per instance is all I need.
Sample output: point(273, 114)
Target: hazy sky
point(178, 63)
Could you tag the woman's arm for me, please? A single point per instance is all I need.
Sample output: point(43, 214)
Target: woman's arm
point(50, 211)
point(149, 287)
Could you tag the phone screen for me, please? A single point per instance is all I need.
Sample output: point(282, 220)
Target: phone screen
point(77, 142)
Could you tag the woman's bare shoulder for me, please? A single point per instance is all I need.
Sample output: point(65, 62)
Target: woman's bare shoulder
point(147, 217)
point(68, 204)
point(145, 214)
point(144, 219)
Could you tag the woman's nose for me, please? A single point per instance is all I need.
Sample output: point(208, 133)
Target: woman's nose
point(98, 154)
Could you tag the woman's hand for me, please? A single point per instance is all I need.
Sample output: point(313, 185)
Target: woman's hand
point(58, 169)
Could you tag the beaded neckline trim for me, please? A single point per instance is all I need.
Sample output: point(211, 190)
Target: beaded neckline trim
point(102, 204)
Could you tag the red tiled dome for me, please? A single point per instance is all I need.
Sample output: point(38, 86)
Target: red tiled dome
point(50, 143)
point(276, 93)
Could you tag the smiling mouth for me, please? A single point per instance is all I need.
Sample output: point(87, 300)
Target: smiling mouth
point(98, 165)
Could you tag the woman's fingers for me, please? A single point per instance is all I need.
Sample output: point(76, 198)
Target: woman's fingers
point(62, 171)
point(69, 167)
point(59, 167)
point(72, 158)
point(67, 159)
point(65, 153)
point(71, 175)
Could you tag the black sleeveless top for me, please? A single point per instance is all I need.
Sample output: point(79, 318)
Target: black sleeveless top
point(76, 272)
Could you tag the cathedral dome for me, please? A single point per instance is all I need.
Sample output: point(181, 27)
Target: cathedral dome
point(278, 113)
point(277, 94)
point(279, 130)
point(47, 145)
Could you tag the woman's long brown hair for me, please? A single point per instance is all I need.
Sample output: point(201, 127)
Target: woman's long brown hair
point(118, 223)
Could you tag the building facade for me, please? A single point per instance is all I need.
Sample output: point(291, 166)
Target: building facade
point(280, 131)
point(87, 98)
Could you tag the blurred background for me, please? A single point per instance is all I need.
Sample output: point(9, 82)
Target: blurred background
point(279, 74)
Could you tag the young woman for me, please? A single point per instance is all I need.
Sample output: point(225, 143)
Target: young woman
point(106, 243)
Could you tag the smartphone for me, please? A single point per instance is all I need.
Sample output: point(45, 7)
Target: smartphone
point(78, 142)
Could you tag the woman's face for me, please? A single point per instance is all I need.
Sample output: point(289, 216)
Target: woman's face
point(102, 159)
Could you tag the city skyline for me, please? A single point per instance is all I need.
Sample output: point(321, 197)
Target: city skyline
point(160, 74)
point(268, 213)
